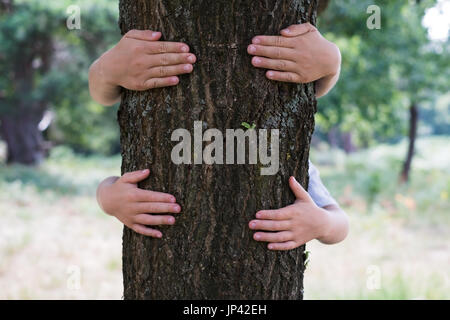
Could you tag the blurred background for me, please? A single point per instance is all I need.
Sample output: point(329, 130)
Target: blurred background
point(381, 143)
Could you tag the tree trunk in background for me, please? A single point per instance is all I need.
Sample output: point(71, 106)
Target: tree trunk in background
point(347, 142)
point(24, 141)
point(413, 121)
point(210, 252)
point(333, 137)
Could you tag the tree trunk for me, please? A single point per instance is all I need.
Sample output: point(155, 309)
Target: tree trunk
point(24, 141)
point(210, 252)
point(413, 120)
point(347, 141)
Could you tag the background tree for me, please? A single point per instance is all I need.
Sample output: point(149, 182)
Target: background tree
point(386, 73)
point(44, 67)
point(210, 252)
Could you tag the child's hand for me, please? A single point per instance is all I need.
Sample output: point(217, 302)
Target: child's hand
point(294, 225)
point(121, 198)
point(301, 55)
point(140, 62)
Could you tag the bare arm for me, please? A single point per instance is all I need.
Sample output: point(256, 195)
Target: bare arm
point(325, 84)
point(337, 225)
point(101, 90)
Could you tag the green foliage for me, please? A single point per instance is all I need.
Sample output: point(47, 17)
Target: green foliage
point(248, 126)
point(34, 37)
point(383, 71)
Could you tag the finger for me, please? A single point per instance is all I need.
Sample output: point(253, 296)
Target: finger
point(273, 236)
point(146, 231)
point(298, 29)
point(299, 192)
point(270, 225)
point(283, 76)
point(168, 71)
point(152, 220)
point(166, 59)
point(153, 196)
point(279, 214)
point(156, 47)
point(288, 245)
point(266, 63)
point(146, 35)
point(156, 207)
point(135, 176)
point(271, 52)
point(276, 41)
point(160, 82)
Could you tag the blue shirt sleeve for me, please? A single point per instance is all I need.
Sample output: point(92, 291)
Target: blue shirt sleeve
point(317, 190)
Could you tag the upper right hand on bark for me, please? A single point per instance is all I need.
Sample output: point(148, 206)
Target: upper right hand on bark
point(141, 62)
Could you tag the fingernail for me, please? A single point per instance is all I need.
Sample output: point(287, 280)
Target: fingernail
point(286, 31)
point(159, 235)
point(144, 171)
point(258, 214)
point(171, 220)
point(176, 208)
point(257, 60)
point(191, 59)
point(270, 246)
point(256, 40)
point(295, 180)
point(155, 34)
point(252, 225)
point(187, 67)
point(173, 199)
point(184, 49)
point(252, 49)
point(174, 80)
point(257, 236)
point(270, 74)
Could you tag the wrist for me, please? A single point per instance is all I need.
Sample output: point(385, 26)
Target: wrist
point(335, 60)
point(105, 70)
point(325, 229)
point(102, 191)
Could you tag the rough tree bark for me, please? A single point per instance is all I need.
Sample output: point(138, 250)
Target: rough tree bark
point(210, 253)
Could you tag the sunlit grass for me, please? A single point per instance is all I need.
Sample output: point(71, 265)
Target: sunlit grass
point(401, 230)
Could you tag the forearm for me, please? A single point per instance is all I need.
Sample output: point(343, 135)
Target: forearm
point(100, 89)
point(100, 190)
point(337, 225)
point(325, 84)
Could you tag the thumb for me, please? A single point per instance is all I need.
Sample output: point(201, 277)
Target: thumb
point(298, 29)
point(135, 176)
point(297, 189)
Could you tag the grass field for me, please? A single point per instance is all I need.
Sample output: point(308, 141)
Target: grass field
point(56, 243)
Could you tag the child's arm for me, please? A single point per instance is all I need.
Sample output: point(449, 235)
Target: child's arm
point(134, 207)
point(138, 62)
point(298, 223)
point(301, 55)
